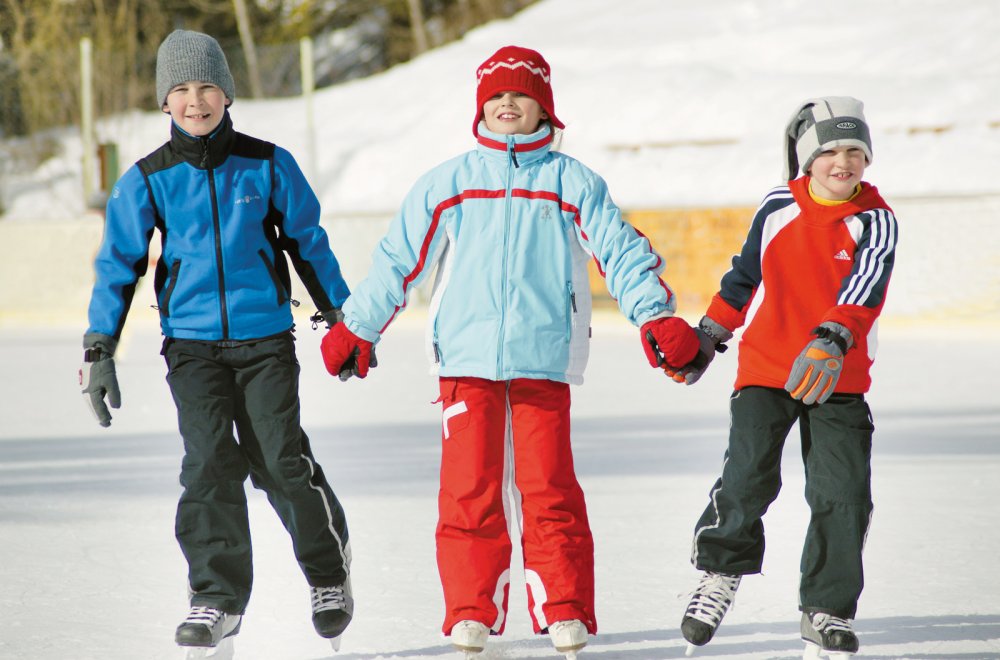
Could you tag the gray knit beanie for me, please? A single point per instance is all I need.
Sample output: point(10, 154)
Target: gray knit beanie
point(185, 55)
point(821, 124)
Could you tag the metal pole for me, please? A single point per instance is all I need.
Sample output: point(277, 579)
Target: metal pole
point(87, 118)
point(308, 87)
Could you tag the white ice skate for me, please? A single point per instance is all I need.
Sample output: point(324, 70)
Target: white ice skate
point(469, 637)
point(333, 609)
point(828, 636)
point(208, 633)
point(710, 601)
point(568, 637)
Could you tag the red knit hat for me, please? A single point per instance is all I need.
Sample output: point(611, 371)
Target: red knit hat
point(515, 69)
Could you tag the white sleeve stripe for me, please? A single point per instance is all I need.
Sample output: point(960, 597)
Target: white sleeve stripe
point(870, 263)
point(872, 259)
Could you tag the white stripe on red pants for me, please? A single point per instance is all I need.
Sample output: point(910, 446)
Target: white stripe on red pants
point(506, 462)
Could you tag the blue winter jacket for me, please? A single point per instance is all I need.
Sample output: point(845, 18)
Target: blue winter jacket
point(510, 228)
point(228, 206)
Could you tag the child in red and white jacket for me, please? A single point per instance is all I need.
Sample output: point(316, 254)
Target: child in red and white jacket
point(509, 228)
point(816, 262)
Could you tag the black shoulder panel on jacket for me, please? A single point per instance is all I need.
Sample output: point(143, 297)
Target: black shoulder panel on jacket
point(161, 159)
point(251, 147)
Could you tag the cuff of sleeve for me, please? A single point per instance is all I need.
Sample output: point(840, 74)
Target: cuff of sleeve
point(106, 343)
point(725, 314)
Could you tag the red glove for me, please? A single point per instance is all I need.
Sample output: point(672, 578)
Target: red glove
point(345, 354)
point(669, 341)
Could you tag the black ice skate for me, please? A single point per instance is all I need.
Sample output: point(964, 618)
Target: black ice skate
point(828, 635)
point(709, 603)
point(207, 633)
point(332, 609)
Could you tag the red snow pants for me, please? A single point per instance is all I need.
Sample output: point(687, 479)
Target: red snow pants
point(506, 460)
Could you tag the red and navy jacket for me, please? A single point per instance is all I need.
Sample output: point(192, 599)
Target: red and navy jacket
point(804, 263)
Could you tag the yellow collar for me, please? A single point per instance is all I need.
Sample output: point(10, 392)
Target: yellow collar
point(833, 202)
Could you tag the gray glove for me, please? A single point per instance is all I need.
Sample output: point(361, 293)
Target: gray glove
point(712, 338)
point(331, 317)
point(97, 376)
point(816, 370)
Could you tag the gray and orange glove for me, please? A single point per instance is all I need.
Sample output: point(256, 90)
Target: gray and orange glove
point(816, 370)
point(97, 376)
point(669, 342)
point(345, 354)
point(712, 338)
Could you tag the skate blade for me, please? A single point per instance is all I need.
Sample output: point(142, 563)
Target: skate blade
point(814, 652)
point(222, 651)
point(335, 643)
point(689, 651)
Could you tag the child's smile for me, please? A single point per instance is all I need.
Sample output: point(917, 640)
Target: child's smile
point(510, 113)
point(196, 106)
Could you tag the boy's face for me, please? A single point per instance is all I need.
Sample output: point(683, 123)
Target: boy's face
point(509, 113)
point(836, 173)
point(196, 106)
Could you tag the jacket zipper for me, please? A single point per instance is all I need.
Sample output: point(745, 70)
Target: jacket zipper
point(512, 164)
point(217, 227)
point(175, 269)
point(279, 288)
point(572, 310)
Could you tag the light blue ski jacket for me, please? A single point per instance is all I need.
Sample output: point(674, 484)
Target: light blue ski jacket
point(510, 227)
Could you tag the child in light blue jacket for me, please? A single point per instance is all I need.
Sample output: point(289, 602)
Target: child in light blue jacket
point(510, 227)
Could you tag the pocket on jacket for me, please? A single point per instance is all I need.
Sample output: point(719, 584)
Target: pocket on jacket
point(571, 310)
point(168, 292)
point(279, 288)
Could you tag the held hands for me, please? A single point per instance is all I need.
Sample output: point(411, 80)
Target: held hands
point(345, 354)
point(669, 342)
point(711, 338)
point(816, 370)
point(98, 378)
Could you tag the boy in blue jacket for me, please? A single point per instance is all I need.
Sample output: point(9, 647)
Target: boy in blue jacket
point(228, 208)
point(510, 228)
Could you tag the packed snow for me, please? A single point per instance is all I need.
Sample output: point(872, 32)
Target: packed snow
point(675, 104)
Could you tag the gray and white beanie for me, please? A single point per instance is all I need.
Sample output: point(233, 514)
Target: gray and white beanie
point(185, 55)
point(821, 124)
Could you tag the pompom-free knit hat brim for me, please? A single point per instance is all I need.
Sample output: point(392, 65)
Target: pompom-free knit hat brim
point(185, 55)
point(515, 69)
point(822, 124)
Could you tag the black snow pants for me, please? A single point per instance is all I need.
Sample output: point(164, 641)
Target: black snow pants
point(252, 386)
point(836, 450)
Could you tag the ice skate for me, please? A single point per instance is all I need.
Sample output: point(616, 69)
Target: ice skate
point(207, 633)
point(709, 603)
point(568, 637)
point(828, 636)
point(469, 637)
point(333, 608)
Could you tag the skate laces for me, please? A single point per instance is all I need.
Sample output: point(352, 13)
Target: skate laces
point(208, 616)
point(713, 597)
point(827, 623)
point(328, 598)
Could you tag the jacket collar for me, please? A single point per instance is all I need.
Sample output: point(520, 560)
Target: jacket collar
point(865, 200)
point(519, 149)
point(206, 152)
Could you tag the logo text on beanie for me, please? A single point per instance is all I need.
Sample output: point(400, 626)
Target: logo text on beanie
point(847, 125)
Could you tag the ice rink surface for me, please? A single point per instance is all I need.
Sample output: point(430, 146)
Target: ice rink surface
point(89, 567)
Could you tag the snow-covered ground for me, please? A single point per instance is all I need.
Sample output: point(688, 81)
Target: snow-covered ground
point(90, 570)
point(675, 104)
